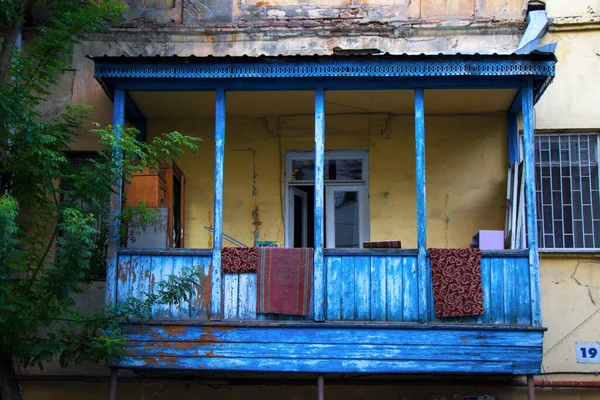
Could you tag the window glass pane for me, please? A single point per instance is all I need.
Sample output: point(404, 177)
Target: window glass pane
point(578, 234)
point(335, 170)
point(593, 149)
point(346, 220)
point(558, 234)
point(344, 170)
point(568, 218)
point(568, 241)
point(303, 170)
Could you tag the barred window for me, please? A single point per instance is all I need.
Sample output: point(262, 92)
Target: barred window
point(568, 198)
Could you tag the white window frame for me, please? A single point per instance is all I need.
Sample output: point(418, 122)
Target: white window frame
point(292, 192)
point(539, 206)
point(293, 155)
point(363, 219)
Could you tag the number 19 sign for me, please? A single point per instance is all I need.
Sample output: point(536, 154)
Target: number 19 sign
point(588, 353)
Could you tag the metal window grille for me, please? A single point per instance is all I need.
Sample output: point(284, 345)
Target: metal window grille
point(568, 196)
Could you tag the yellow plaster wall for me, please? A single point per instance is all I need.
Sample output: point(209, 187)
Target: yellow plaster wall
point(570, 287)
point(570, 284)
point(573, 99)
point(466, 172)
point(567, 8)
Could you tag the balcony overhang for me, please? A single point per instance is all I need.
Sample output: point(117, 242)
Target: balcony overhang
point(283, 73)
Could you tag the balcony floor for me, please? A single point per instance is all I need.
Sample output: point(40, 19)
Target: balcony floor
point(332, 347)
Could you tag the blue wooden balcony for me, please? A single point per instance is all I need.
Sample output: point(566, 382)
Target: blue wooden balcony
point(372, 320)
point(373, 311)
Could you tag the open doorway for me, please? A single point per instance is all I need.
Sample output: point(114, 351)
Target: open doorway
point(302, 216)
point(346, 199)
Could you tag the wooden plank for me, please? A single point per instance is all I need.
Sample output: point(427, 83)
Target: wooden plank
point(515, 203)
point(394, 296)
point(166, 252)
point(355, 83)
point(388, 335)
point(523, 294)
point(423, 270)
point(319, 277)
point(371, 252)
point(510, 291)
point(362, 273)
point(181, 310)
point(182, 212)
point(410, 289)
point(200, 302)
point(413, 352)
point(123, 280)
point(115, 205)
point(334, 288)
point(496, 291)
point(486, 286)
point(230, 296)
point(431, 304)
point(378, 288)
point(513, 139)
point(247, 296)
point(530, 200)
point(142, 264)
point(321, 366)
point(161, 268)
point(348, 289)
point(167, 272)
point(216, 306)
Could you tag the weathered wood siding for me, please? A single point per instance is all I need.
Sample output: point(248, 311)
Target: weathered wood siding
point(372, 288)
point(140, 273)
point(321, 347)
point(506, 291)
point(367, 286)
point(367, 295)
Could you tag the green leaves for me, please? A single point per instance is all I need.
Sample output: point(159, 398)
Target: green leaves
point(54, 208)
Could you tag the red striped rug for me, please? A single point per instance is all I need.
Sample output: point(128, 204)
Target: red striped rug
point(284, 281)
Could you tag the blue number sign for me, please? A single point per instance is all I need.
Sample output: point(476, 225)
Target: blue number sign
point(588, 353)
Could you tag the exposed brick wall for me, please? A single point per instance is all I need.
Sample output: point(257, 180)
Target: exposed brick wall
point(319, 12)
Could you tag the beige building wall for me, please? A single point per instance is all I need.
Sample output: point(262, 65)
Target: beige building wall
point(466, 156)
point(570, 283)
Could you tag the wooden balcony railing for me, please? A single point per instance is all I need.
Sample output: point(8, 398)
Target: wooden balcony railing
point(361, 285)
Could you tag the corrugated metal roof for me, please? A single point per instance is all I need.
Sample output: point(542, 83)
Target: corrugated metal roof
point(544, 52)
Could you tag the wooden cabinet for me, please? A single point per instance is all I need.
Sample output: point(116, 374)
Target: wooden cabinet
point(175, 183)
point(164, 188)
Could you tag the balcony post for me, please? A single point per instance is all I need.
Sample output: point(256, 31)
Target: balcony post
point(530, 200)
point(513, 139)
point(319, 268)
point(216, 306)
point(115, 203)
point(114, 373)
point(422, 265)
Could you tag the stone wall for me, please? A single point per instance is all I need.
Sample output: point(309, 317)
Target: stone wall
point(253, 27)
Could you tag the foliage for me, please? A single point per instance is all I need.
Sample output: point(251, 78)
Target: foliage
point(54, 214)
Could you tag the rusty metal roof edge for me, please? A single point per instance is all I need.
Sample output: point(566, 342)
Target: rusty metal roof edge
point(347, 54)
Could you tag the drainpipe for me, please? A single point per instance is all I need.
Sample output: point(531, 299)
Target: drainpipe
point(537, 24)
point(568, 384)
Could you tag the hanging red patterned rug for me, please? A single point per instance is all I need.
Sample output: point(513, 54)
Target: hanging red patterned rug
point(236, 260)
point(456, 276)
